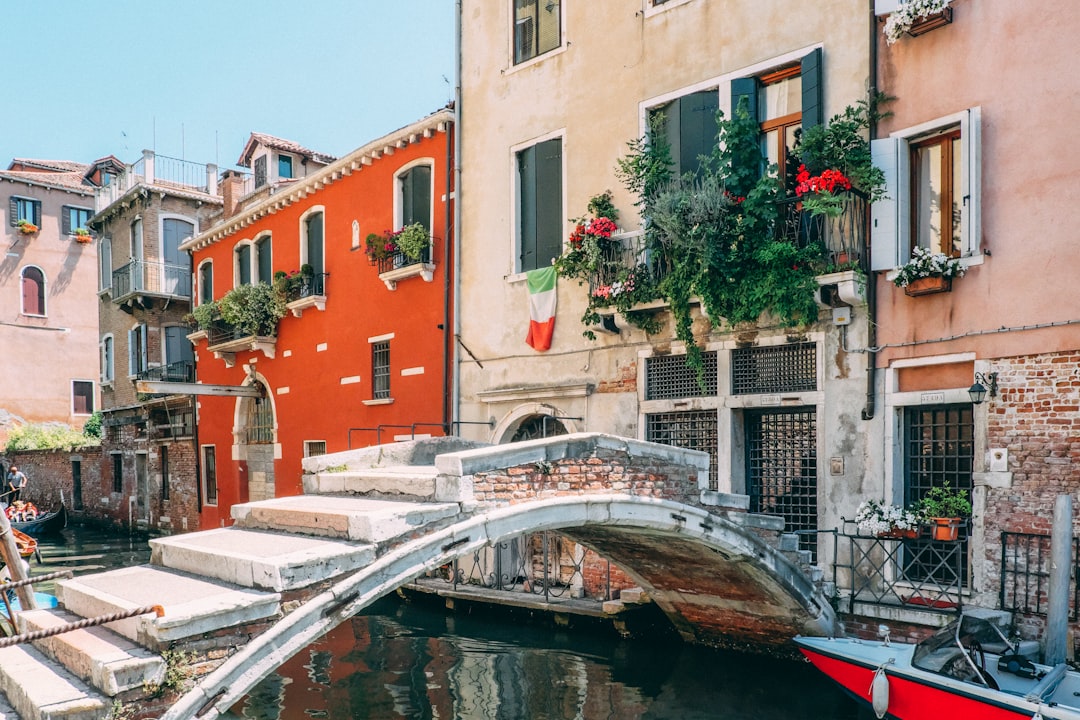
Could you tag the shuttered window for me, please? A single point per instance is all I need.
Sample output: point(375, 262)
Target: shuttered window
point(27, 209)
point(540, 222)
point(415, 186)
point(137, 361)
point(73, 218)
point(313, 242)
point(206, 282)
point(105, 262)
point(33, 291)
point(689, 124)
point(243, 264)
point(260, 171)
point(263, 260)
point(107, 362)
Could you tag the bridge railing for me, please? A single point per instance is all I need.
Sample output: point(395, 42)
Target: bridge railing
point(543, 563)
point(914, 572)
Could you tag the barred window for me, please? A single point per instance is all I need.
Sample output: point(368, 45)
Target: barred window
point(314, 447)
point(774, 369)
point(692, 429)
point(380, 370)
point(259, 427)
point(668, 376)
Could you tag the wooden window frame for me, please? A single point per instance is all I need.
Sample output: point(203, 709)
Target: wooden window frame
point(945, 140)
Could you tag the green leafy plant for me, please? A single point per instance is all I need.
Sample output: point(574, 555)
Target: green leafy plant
point(48, 436)
point(205, 314)
point(26, 227)
point(380, 247)
point(120, 711)
point(944, 501)
point(253, 309)
point(179, 671)
point(92, 427)
point(413, 240)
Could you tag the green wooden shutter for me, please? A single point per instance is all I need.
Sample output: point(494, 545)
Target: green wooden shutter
point(416, 197)
point(812, 103)
point(745, 89)
point(527, 208)
point(13, 215)
point(697, 128)
point(37, 212)
point(549, 214)
point(315, 242)
point(263, 260)
point(65, 220)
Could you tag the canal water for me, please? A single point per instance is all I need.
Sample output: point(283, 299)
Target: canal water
point(406, 660)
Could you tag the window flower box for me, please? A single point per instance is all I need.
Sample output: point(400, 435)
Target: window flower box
point(928, 286)
point(916, 17)
point(27, 228)
point(930, 22)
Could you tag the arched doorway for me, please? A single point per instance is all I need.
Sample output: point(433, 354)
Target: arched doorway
point(534, 427)
point(255, 436)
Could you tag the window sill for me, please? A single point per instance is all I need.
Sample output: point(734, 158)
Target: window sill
point(534, 60)
point(392, 277)
point(967, 261)
point(654, 9)
point(380, 401)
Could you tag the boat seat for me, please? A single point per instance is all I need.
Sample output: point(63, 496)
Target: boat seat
point(1048, 684)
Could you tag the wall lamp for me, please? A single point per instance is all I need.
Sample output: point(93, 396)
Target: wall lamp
point(983, 383)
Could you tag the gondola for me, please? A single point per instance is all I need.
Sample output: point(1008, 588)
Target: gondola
point(45, 523)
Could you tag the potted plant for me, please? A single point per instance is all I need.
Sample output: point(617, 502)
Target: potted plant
point(82, 235)
point(916, 17)
point(413, 240)
point(380, 247)
point(26, 227)
point(945, 507)
point(881, 520)
point(928, 272)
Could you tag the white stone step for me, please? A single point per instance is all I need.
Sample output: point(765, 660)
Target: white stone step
point(259, 559)
point(407, 482)
point(193, 605)
point(347, 517)
point(106, 660)
point(39, 689)
point(6, 711)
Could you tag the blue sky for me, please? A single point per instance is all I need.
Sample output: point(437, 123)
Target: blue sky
point(192, 78)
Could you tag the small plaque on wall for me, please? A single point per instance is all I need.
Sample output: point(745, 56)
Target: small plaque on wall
point(932, 398)
point(770, 400)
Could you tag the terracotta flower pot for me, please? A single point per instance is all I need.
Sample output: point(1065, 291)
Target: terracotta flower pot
point(946, 529)
point(898, 534)
point(928, 286)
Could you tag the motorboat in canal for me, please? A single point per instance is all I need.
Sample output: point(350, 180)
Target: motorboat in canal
point(968, 669)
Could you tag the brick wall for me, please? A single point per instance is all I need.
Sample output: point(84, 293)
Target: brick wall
point(1036, 417)
point(49, 473)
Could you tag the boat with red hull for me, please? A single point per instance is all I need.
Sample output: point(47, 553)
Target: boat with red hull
point(966, 670)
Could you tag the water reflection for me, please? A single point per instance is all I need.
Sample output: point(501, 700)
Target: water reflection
point(401, 661)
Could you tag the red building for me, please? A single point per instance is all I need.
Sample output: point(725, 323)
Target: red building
point(360, 352)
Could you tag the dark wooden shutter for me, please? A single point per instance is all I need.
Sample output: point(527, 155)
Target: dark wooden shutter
point(260, 171)
point(13, 215)
point(549, 214)
point(527, 207)
point(315, 242)
point(416, 197)
point(65, 220)
point(697, 128)
point(37, 213)
point(263, 260)
point(745, 88)
point(812, 103)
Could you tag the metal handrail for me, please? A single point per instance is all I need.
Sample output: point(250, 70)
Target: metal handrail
point(447, 428)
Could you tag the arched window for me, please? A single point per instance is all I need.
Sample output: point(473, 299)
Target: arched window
point(259, 421)
point(242, 255)
point(312, 247)
point(414, 188)
point(206, 282)
point(33, 291)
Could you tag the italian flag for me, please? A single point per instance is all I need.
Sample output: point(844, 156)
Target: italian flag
point(542, 299)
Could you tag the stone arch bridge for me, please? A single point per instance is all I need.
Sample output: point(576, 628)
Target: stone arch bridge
point(291, 569)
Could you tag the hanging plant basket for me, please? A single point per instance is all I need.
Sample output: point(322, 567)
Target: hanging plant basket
point(931, 22)
point(928, 286)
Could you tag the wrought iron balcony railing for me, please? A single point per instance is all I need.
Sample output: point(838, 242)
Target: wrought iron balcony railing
point(398, 260)
point(843, 237)
point(626, 252)
point(151, 278)
point(182, 371)
point(305, 286)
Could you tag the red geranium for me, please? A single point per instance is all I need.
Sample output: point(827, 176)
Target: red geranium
point(828, 181)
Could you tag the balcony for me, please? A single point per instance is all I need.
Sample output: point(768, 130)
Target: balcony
point(844, 237)
point(306, 291)
point(225, 340)
point(398, 266)
point(182, 371)
point(160, 171)
point(151, 279)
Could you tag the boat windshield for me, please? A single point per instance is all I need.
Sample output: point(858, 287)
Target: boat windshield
point(949, 650)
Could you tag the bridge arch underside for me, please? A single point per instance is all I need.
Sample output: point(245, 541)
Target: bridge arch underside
point(715, 578)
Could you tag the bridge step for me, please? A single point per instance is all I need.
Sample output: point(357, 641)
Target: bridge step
point(38, 689)
point(259, 559)
point(351, 518)
point(6, 711)
point(109, 662)
point(406, 482)
point(193, 606)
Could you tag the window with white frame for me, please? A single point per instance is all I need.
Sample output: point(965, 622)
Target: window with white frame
point(285, 167)
point(137, 240)
point(263, 270)
point(932, 176)
point(380, 370)
point(688, 123)
point(82, 397)
point(105, 262)
point(73, 218)
point(108, 362)
point(414, 195)
point(314, 447)
point(540, 222)
point(33, 291)
point(311, 247)
point(537, 28)
point(242, 262)
point(206, 282)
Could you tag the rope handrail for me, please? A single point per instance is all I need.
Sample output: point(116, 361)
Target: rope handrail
point(80, 624)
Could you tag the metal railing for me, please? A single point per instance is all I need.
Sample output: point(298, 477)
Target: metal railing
point(542, 563)
point(626, 252)
point(182, 371)
point(1025, 574)
point(914, 572)
point(303, 286)
point(182, 173)
point(155, 278)
point(843, 237)
point(446, 428)
point(220, 332)
point(398, 260)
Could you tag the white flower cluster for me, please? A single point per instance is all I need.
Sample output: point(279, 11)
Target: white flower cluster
point(901, 19)
point(925, 263)
point(874, 518)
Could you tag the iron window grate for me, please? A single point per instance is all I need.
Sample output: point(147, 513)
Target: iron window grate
point(939, 451)
point(668, 376)
point(692, 429)
point(380, 370)
point(259, 429)
point(774, 369)
point(781, 468)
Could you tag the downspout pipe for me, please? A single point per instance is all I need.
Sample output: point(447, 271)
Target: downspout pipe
point(871, 283)
point(448, 278)
point(455, 393)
